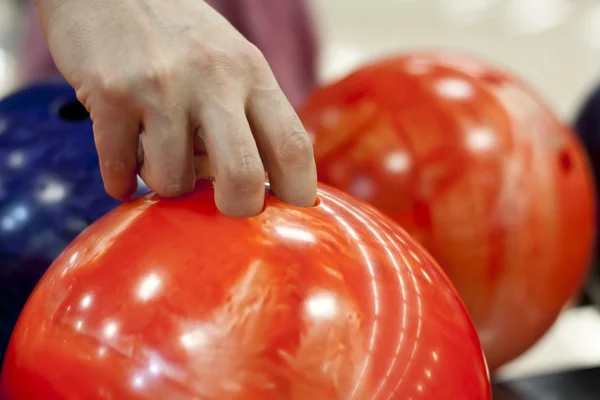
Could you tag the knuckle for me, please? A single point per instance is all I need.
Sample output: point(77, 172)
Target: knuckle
point(107, 83)
point(159, 77)
point(140, 81)
point(216, 57)
point(251, 58)
point(217, 66)
point(245, 60)
point(214, 61)
point(295, 148)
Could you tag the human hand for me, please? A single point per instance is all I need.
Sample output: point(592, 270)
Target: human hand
point(203, 98)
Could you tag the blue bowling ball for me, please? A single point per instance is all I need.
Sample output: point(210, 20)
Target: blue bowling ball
point(50, 188)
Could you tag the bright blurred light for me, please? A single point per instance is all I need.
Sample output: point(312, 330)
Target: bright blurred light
point(481, 139)
point(194, 339)
point(52, 192)
point(138, 381)
point(535, 16)
point(110, 330)
point(86, 301)
point(296, 234)
point(16, 159)
point(454, 88)
point(464, 11)
point(14, 218)
point(149, 286)
point(9, 18)
point(590, 27)
point(322, 306)
point(398, 162)
point(339, 60)
point(7, 72)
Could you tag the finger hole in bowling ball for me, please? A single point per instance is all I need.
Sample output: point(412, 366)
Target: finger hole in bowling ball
point(73, 111)
point(317, 202)
point(566, 163)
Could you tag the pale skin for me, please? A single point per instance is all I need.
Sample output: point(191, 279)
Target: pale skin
point(202, 96)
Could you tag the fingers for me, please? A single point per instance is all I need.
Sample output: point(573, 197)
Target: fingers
point(116, 138)
point(167, 144)
point(234, 159)
point(170, 157)
point(285, 146)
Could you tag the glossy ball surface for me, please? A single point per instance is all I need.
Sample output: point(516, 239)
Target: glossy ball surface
point(472, 164)
point(50, 188)
point(169, 299)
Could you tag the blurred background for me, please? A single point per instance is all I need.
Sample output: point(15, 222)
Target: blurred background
point(554, 45)
point(11, 25)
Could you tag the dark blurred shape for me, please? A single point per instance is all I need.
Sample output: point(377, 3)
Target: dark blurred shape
point(570, 385)
point(587, 126)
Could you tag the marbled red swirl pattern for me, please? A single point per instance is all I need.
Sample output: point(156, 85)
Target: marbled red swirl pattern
point(169, 299)
point(479, 170)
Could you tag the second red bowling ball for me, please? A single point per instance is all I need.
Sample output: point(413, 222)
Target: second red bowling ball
point(479, 170)
point(169, 299)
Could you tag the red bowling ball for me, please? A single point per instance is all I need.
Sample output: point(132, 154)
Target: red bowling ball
point(473, 165)
point(169, 299)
